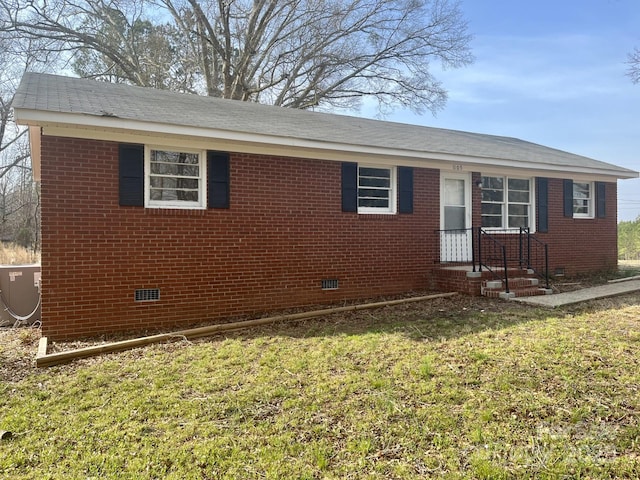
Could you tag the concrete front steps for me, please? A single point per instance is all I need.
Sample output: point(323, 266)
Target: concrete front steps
point(518, 287)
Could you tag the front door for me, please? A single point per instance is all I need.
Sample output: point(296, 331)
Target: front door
point(455, 218)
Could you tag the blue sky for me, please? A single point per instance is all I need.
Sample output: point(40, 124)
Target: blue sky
point(551, 72)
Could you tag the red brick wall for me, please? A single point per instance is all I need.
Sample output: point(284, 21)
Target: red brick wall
point(581, 245)
point(283, 234)
point(576, 245)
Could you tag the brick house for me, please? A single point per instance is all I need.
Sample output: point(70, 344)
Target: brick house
point(161, 209)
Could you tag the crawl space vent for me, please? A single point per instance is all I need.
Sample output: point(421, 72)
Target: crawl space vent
point(147, 295)
point(331, 284)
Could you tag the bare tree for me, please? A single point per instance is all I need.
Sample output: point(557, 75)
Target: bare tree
point(292, 53)
point(19, 204)
point(634, 66)
point(135, 51)
point(105, 38)
point(11, 138)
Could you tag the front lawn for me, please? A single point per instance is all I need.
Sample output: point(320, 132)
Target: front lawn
point(455, 388)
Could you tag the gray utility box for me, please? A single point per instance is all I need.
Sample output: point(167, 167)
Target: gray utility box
point(19, 294)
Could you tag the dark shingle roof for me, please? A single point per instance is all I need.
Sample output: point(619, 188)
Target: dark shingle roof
point(50, 93)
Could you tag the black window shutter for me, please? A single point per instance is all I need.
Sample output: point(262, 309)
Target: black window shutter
point(601, 198)
point(542, 193)
point(218, 173)
point(405, 189)
point(131, 173)
point(349, 187)
point(567, 191)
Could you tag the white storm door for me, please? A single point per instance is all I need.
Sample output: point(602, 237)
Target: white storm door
point(455, 218)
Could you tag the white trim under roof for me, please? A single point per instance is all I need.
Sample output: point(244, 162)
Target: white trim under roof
point(121, 130)
point(35, 145)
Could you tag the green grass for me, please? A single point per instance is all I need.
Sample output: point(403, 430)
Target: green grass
point(456, 388)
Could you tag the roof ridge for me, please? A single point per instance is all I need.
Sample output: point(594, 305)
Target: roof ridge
point(162, 110)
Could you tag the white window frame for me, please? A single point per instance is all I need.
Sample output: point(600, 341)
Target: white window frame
point(393, 192)
point(590, 200)
point(505, 203)
point(176, 204)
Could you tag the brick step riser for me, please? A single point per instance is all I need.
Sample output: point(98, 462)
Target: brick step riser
point(523, 292)
point(513, 283)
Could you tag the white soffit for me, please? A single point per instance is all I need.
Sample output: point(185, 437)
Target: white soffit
point(123, 130)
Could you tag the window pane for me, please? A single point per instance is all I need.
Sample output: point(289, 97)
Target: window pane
point(520, 210)
point(375, 182)
point(174, 169)
point(580, 190)
point(492, 195)
point(519, 197)
point(374, 172)
point(454, 218)
point(173, 194)
point(517, 222)
point(519, 184)
point(453, 192)
point(518, 216)
point(170, 182)
point(492, 221)
point(373, 202)
point(166, 156)
point(188, 195)
point(496, 183)
point(162, 182)
point(581, 206)
point(518, 190)
point(372, 193)
point(491, 209)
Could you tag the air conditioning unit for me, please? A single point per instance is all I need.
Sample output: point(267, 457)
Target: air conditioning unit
point(19, 294)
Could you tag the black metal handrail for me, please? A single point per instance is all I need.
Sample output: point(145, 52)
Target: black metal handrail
point(496, 258)
point(496, 251)
point(535, 254)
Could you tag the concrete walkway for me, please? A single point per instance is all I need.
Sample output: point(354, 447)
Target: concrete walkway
point(591, 293)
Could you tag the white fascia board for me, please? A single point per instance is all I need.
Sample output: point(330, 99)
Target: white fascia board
point(92, 126)
point(35, 134)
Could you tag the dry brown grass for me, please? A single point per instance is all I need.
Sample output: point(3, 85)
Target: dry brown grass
point(12, 254)
point(629, 263)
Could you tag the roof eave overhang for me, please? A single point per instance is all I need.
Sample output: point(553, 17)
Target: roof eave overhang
point(105, 127)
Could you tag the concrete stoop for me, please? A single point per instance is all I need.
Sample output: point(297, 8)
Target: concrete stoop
point(518, 287)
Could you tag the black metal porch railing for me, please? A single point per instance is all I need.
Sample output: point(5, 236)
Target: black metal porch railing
point(535, 254)
point(492, 255)
point(496, 251)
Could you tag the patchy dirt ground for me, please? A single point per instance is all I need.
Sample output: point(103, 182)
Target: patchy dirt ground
point(18, 346)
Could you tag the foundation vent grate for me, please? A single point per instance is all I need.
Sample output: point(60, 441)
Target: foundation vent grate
point(147, 295)
point(330, 284)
